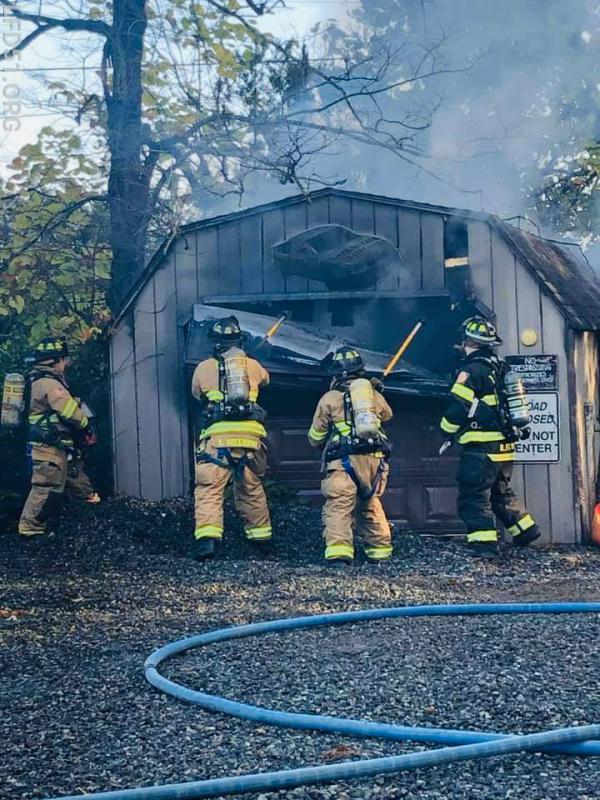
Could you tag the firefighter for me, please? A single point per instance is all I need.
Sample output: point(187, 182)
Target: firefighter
point(232, 440)
point(475, 420)
point(347, 424)
point(57, 427)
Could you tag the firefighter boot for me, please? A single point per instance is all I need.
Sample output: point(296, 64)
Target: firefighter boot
point(526, 538)
point(487, 550)
point(204, 549)
point(342, 561)
point(525, 531)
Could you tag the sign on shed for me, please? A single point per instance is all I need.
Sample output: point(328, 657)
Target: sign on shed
point(543, 446)
point(538, 373)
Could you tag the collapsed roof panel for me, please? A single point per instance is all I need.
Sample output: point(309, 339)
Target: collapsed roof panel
point(296, 355)
point(336, 255)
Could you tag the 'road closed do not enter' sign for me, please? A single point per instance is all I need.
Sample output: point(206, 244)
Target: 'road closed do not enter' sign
point(543, 446)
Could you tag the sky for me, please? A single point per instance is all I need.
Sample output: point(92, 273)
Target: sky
point(50, 56)
point(519, 44)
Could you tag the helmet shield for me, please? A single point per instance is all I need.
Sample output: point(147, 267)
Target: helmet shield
point(51, 349)
point(226, 331)
point(345, 361)
point(480, 332)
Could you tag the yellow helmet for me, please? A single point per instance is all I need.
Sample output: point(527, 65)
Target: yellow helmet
point(226, 330)
point(345, 360)
point(480, 331)
point(51, 348)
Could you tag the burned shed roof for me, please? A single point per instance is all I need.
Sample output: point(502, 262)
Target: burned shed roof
point(297, 356)
point(562, 271)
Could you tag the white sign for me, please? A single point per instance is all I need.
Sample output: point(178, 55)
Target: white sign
point(543, 446)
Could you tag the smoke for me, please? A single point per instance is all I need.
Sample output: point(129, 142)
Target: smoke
point(531, 95)
point(518, 90)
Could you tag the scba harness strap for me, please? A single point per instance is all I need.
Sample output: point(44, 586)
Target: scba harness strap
point(44, 429)
point(365, 494)
point(499, 368)
point(221, 409)
point(352, 445)
point(225, 460)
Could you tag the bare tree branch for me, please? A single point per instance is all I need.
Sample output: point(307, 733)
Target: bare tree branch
point(73, 25)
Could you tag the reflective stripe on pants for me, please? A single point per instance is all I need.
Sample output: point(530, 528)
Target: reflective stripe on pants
point(339, 551)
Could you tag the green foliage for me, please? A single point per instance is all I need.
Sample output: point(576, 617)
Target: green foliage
point(569, 196)
point(54, 256)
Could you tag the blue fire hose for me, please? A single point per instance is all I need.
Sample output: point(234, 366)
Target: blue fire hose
point(463, 745)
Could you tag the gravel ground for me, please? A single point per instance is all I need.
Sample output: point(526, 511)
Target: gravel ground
point(81, 610)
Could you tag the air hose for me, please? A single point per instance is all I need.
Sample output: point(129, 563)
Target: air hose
point(463, 745)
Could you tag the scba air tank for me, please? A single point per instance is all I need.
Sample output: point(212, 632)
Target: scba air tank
point(13, 395)
point(362, 397)
point(236, 375)
point(516, 397)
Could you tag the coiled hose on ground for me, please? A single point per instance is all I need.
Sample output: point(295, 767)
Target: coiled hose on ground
point(461, 745)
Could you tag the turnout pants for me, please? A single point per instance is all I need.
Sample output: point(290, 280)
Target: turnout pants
point(345, 510)
point(485, 493)
point(53, 476)
point(215, 468)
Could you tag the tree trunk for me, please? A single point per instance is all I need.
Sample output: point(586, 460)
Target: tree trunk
point(129, 182)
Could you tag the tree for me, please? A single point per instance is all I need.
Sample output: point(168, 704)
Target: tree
point(54, 251)
point(566, 198)
point(194, 99)
point(530, 99)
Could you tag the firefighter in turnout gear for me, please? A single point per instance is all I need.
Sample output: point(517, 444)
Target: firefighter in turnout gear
point(478, 419)
point(232, 440)
point(348, 426)
point(56, 425)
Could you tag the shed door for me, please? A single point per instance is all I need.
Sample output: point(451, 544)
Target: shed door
point(421, 493)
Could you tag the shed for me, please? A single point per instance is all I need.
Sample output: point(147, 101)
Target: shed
point(363, 268)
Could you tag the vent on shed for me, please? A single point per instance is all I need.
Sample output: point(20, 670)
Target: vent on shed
point(456, 261)
point(456, 243)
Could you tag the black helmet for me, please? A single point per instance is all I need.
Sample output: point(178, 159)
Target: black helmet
point(480, 331)
point(345, 361)
point(226, 331)
point(51, 349)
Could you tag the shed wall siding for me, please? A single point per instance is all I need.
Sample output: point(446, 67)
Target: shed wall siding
point(517, 301)
point(124, 421)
